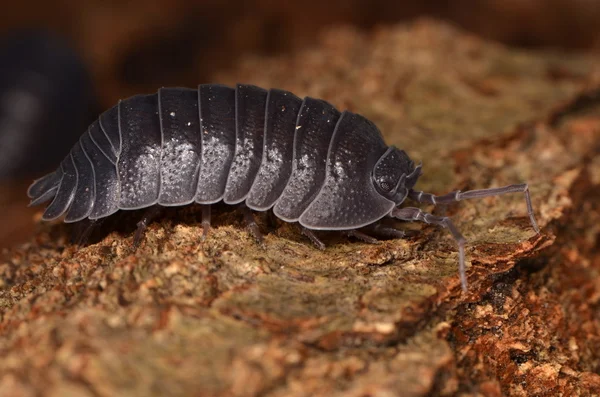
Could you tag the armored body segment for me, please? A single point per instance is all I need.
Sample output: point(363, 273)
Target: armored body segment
point(101, 141)
point(217, 121)
point(138, 166)
point(250, 104)
point(390, 167)
point(66, 191)
point(181, 146)
point(278, 150)
point(348, 199)
point(106, 200)
point(85, 193)
point(315, 125)
point(391, 173)
point(44, 188)
point(109, 123)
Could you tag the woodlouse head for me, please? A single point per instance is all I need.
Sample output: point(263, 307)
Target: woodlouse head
point(394, 174)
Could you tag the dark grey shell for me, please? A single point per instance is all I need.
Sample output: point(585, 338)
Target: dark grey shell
point(348, 198)
point(268, 149)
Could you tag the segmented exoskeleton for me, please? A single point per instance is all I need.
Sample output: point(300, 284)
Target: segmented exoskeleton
point(302, 158)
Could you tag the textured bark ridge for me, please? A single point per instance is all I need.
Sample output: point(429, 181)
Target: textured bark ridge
point(225, 316)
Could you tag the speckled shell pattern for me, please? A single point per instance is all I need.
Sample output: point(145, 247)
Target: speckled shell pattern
point(268, 149)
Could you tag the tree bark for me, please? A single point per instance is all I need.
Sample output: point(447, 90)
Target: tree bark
point(226, 316)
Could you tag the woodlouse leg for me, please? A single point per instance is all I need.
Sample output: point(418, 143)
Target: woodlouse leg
point(150, 214)
point(271, 220)
point(205, 221)
point(362, 236)
point(415, 214)
point(85, 235)
point(457, 195)
point(251, 224)
point(313, 238)
point(385, 231)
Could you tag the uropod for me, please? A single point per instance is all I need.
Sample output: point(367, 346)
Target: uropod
point(264, 149)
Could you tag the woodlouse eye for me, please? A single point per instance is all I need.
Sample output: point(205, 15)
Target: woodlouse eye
point(385, 185)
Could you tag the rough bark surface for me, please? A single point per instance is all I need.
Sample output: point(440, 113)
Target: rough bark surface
point(226, 316)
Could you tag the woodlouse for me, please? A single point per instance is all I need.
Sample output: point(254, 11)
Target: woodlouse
point(302, 158)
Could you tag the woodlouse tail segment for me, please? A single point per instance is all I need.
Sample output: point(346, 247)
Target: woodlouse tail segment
point(44, 188)
point(416, 214)
point(423, 197)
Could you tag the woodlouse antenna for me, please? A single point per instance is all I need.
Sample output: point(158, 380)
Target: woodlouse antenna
point(457, 195)
point(422, 197)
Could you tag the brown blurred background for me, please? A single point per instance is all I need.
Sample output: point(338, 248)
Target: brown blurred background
point(136, 46)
